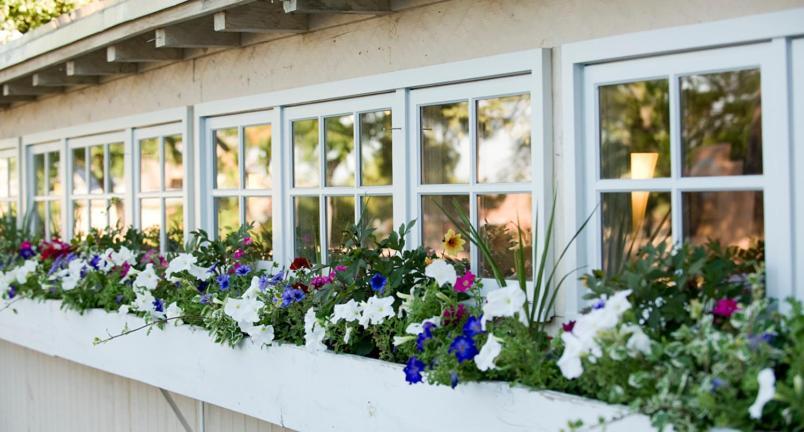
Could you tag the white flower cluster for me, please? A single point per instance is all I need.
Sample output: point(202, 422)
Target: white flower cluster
point(145, 282)
point(72, 274)
point(442, 271)
point(246, 311)
point(373, 311)
point(186, 262)
point(17, 275)
point(505, 302)
point(314, 332)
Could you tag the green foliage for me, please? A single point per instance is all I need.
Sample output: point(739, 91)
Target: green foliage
point(24, 15)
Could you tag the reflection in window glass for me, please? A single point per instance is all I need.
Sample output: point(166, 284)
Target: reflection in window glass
point(734, 218)
point(499, 215)
point(503, 139)
point(379, 214)
point(376, 148)
point(98, 214)
point(79, 171)
point(630, 221)
point(39, 174)
point(445, 143)
point(307, 228)
point(635, 130)
point(96, 174)
point(174, 220)
point(306, 169)
point(174, 169)
point(55, 219)
point(227, 171)
point(80, 217)
point(117, 213)
point(340, 219)
point(4, 178)
point(258, 156)
point(40, 218)
point(340, 150)
point(54, 179)
point(150, 220)
point(149, 165)
point(258, 211)
point(722, 123)
point(13, 182)
point(435, 223)
point(227, 215)
point(117, 167)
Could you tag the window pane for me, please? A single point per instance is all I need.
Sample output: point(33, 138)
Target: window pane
point(41, 218)
point(503, 139)
point(722, 123)
point(39, 174)
point(379, 214)
point(376, 148)
point(79, 171)
point(340, 150)
point(258, 211)
point(307, 228)
point(117, 214)
point(96, 175)
point(435, 223)
point(80, 217)
point(340, 218)
point(55, 219)
point(227, 169)
point(54, 180)
point(499, 215)
point(258, 156)
point(734, 218)
point(117, 167)
point(151, 220)
point(174, 221)
point(12, 208)
point(630, 221)
point(13, 181)
point(149, 165)
point(227, 215)
point(98, 212)
point(635, 130)
point(306, 166)
point(174, 168)
point(4, 208)
point(3, 177)
point(445, 143)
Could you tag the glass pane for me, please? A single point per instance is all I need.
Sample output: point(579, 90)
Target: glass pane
point(503, 139)
point(258, 211)
point(117, 167)
point(379, 214)
point(12, 208)
point(39, 174)
point(79, 171)
point(445, 143)
point(307, 228)
point(13, 181)
point(376, 148)
point(151, 220)
point(55, 219)
point(117, 214)
point(722, 123)
point(734, 218)
point(306, 164)
point(500, 216)
point(340, 150)
point(4, 208)
point(41, 218)
point(96, 175)
point(174, 168)
point(54, 179)
point(630, 221)
point(340, 218)
point(174, 220)
point(227, 215)
point(80, 217)
point(258, 156)
point(3, 177)
point(435, 223)
point(149, 165)
point(98, 214)
point(227, 169)
point(635, 130)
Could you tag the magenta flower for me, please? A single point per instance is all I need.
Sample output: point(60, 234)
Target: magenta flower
point(725, 307)
point(463, 283)
point(340, 268)
point(568, 326)
point(248, 241)
point(238, 254)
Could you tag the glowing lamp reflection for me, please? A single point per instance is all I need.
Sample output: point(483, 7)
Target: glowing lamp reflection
point(643, 165)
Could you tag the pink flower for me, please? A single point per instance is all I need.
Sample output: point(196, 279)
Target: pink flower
point(453, 315)
point(568, 326)
point(340, 268)
point(238, 254)
point(463, 283)
point(248, 241)
point(124, 269)
point(725, 307)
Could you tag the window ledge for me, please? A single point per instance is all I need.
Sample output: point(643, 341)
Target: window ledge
point(293, 387)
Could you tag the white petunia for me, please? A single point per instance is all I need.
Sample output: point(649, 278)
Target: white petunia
point(638, 342)
point(488, 353)
point(254, 288)
point(376, 310)
point(313, 332)
point(145, 302)
point(504, 302)
point(570, 361)
point(124, 255)
point(442, 271)
point(767, 390)
point(416, 328)
point(185, 262)
point(347, 334)
point(261, 334)
point(174, 311)
point(72, 274)
point(25, 270)
point(245, 311)
point(123, 309)
point(399, 340)
point(146, 279)
point(349, 312)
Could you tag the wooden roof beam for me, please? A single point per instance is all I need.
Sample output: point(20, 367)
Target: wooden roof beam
point(141, 49)
point(199, 33)
point(57, 77)
point(373, 7)
point(25, 89)
point(95, 64)
point(259, 17)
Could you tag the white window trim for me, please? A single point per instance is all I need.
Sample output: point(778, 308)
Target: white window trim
point(10, 147)
point(797, 52)
point(42, 148)
point(774, 28)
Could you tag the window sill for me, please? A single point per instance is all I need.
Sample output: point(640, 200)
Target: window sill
point(293, 387)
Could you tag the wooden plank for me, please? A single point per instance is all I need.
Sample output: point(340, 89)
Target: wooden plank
point(373, 7)
point(141, 49)
point(260, 17)
point(57, 77)
point(21, 88)
point(197, 33)
point(95, 64)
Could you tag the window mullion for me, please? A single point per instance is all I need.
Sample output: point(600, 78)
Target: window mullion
point(473, 218)
point(676, 210)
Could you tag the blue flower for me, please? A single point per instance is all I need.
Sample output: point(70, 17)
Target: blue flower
point(263, 283)
point(118, 298)
point(717, 384)
point(202, 286)
point(275, 279)
point(243, 270)
point(291, 295)
point(600, 304)
point(205, 298)
point(473, 327)
point(159, 305)
point(464, 348)
point(755, 340)
point(426, 333)
point(95, 262)
point(378, 282)
point(413, 370)
point(12, 292)
point(453, 379)
point(223, 282)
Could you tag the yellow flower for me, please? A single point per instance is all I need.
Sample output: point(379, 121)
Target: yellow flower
point(452, 243)
point(428, 261)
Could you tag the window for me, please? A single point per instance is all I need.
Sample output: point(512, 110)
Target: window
point(474, 155)
point(159, 203)
point(678, 151)
point(242, 180)
point(341, 169)
point(46, 194)
point(9, 182)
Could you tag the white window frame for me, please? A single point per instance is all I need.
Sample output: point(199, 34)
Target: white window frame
point(797, 81)
point(47, 148)
point(9, 148)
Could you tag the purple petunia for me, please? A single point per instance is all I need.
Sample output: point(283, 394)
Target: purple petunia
point(453, 379)
point(413, 370)
point(223, 282)
point(12, 292)
point(291, 295)
point(26, 250)
point(243, 270)
point(205, 299)
point(600, 304)
point(378, 282)
point(275, 279)
point(464, 348)
point(159, 305)
point(473, 326)
point(426, 333)
point(717, 384)
point(95, 262)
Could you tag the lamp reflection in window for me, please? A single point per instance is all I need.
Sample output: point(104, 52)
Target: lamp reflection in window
point(643, 165)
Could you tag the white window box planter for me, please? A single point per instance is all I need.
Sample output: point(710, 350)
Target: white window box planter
point(290, 386)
